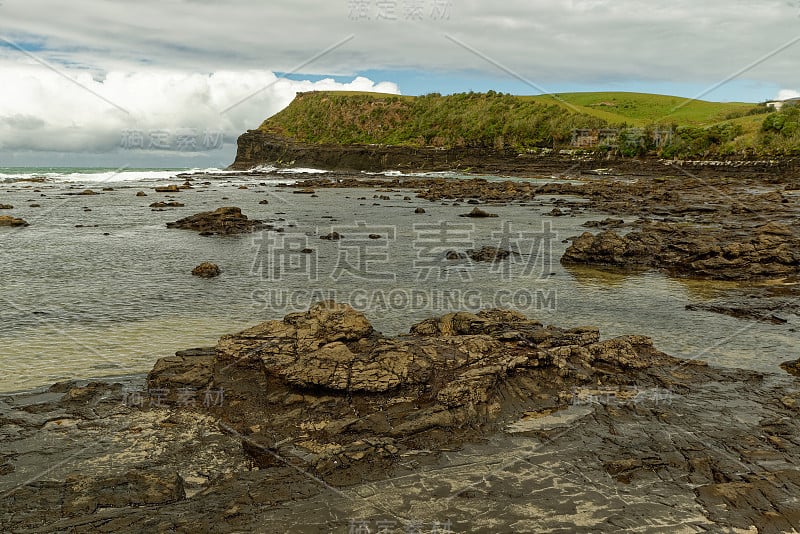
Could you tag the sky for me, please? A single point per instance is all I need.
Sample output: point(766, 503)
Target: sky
point(172, 83)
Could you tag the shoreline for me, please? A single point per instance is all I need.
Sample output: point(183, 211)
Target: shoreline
point(259, 148)
point(318, 420)
point(329, 453)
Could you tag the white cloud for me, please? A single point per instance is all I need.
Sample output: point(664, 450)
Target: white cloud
point(41, 109)
point(785, 94)
point(146, 55)
point(574, 40)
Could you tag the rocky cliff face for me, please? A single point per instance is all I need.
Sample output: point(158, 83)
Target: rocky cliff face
point(258, 148)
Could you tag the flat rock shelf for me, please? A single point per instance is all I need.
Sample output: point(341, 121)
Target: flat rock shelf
point(473, 422)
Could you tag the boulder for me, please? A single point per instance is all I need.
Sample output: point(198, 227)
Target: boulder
point(206, 270)
point(223, 221)
point(791, 367)
point(166, 205)
point(490, 253)
point(478, 213)
point(8, 220)
point(168, 189)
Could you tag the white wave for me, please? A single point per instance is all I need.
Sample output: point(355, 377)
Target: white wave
point(102, 176)
point(262, 168)
point(401, 174)
point(302, 170)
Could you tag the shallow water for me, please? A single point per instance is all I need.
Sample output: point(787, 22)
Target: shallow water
point(77, 303)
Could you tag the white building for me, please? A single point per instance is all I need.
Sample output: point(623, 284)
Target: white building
point(778, 104)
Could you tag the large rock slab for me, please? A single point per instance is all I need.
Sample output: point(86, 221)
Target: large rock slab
point(772, 251)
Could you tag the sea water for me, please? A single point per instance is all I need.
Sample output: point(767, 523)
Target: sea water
point(98, 286)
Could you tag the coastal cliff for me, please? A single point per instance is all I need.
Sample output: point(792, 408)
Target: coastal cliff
point(506, 134)
point(259, 148)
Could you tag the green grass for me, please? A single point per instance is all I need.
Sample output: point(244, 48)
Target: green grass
point(640, 109)
point(497, 120)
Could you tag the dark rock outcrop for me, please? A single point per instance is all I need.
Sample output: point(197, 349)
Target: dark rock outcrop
point(168, 189)
point(314, 366)
point(206, 270)
point(490, 253)
point(791, 367)
point(314, 409)
point(770, 251)
point(224, 221)
point(8, 220)
point(478, 213)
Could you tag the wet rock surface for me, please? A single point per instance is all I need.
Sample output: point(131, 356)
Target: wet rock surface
point(8, 220)
point(490, 253)
point(478, 214)
point(484, 422)
point(167, 205)
point(206, 270)
point(766, 251)
point(774, 303)
point(222, 221)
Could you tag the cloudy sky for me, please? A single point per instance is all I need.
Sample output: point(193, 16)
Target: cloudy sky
point(173, 82)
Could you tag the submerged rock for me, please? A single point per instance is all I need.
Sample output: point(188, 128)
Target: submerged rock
point(206, 270)
point(490, 253)
point(791, 367)
point(332, 236)
point(168, 189)
point(8, 220)
point(224, 221)
point(166, 205)
point(478, 213)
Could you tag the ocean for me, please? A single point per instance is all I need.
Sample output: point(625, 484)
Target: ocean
point(98, 286)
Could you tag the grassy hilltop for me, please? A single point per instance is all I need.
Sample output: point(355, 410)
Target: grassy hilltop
point(696, 128)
